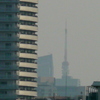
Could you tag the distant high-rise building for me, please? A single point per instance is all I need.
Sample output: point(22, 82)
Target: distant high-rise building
point(45, 66)
point(18, 48)
point(46, 81)
point(46, 86)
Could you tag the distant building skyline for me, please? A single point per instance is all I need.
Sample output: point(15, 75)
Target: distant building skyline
point(46, 68)
point(46, 86)
point(83, 36)
point(72, 91)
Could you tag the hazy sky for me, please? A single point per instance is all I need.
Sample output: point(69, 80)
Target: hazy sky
point(83, 25)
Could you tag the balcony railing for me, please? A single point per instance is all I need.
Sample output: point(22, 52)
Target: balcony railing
point(8, 86)
point(1, 1)
point(9, 67)
point(9, 77)
point(9, 58)
point(13, 19)
point(9, 38)
point(8, 96)
point(9, 29)
point(9, 10)
point(12, 48)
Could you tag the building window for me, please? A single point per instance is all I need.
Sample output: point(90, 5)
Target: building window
point(30, 79)
point(3, 83)
point(27, 88)
point(24, 69)
point(26, 97)
point(8, 44)
point(7, 25)
point(7, 63)
point(7, 54)
point(9, 16)
point(8, 6)
point(28, 4)
point(25, 13)
point(9, 35)
point(3, 92)
point(27, 41)
point(30, 51)
point(8, 73)
point(27, 32)
point(27, 23)
point(27, 60)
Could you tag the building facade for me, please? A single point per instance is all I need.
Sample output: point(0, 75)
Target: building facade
point(18, 48)
point(71, 91)
point(46, 87)
point(45, 63)
point(46, 81)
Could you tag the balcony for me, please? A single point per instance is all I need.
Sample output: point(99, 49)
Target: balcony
point(8, 96)
point(28, 9)
point(28, 46)
point(27, 74)
point(26, 83)
point(9, 39)
point(9, 10)
point(13, 19)
point(12, 77)
point(28, 93)
point(27, 27)
point(9, 58)
point(30, 65)
point(32, 1)
point(28, 18)
point(9, 29)
point(25, 55)
point(28, 37)
point(11, 1)
point(9, 67)
point(8, 86)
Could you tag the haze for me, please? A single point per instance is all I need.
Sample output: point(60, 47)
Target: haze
point(83, 25)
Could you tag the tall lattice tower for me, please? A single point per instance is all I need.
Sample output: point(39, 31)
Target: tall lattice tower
point(65, 70)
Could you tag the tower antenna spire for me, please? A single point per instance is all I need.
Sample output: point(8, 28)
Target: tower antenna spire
point(65, 51)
